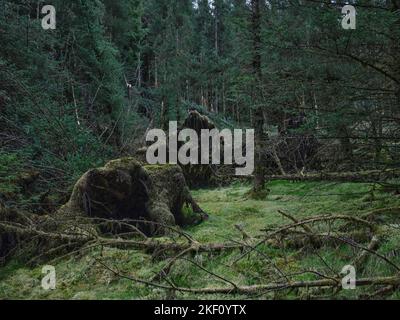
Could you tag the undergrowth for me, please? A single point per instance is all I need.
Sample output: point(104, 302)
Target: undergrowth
point(81, 277)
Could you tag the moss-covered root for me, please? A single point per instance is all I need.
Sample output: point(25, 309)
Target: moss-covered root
point(128, 189)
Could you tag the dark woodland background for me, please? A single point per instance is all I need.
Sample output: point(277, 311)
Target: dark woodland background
point(324, 101)
point(72, 97)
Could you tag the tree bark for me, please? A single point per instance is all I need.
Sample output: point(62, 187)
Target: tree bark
point(258, 116)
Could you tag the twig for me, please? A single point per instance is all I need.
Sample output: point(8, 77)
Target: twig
point(359, 261)
point(395, 281)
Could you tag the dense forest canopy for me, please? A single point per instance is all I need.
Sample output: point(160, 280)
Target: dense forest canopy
point(323, 100)
point(73, 96)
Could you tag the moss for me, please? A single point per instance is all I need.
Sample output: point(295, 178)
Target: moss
point(82, 278)
point(259, 195)
point(129, 164)
point(127, 189)
point(156, 167)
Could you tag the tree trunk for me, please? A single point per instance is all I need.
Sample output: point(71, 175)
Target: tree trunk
point(258, 117)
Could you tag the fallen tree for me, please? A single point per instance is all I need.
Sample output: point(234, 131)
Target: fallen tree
point(125, 197)
point(371, 176)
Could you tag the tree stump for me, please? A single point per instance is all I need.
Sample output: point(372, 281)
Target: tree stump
point(126, 189)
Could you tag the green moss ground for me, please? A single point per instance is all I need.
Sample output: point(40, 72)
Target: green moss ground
point(83, 278)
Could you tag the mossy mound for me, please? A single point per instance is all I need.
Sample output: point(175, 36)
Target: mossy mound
point(126, 189)
point(198, 175)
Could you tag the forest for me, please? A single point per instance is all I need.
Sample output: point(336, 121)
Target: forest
point(84, 215)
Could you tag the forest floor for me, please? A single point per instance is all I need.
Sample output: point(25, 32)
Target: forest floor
point(82, 277)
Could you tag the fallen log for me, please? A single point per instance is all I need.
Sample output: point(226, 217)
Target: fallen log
point(371, 176)
point(81, 237)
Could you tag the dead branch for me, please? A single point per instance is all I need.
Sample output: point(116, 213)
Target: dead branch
point(245, 235)
point(290, 217)
point(235, 289)
point(147, 245)
point(360, 260)
point(305, 222)
point(376, 214)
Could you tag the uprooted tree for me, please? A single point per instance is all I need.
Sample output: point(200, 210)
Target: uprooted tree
point(128, 189)
point(198, 175)
point(122, 196)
